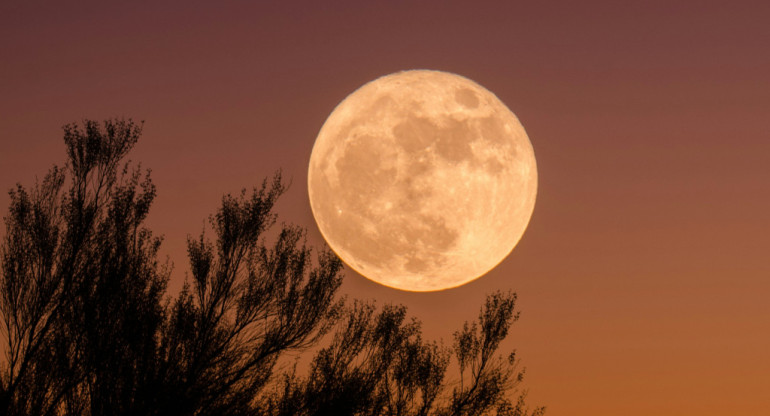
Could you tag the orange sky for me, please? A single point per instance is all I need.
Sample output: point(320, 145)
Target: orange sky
point(644, 276)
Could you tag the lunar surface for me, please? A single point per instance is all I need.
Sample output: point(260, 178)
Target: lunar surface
point(422, 180)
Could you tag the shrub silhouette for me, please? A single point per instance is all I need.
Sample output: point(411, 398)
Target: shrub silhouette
point(89, 329)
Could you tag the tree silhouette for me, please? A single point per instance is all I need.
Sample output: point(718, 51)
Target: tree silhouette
point(90, 330)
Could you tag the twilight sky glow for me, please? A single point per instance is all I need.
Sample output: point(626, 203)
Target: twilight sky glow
point(643, 277)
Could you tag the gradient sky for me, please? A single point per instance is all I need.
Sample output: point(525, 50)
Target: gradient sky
point(644, 276)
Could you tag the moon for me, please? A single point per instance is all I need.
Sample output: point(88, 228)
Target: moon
point(422, 180)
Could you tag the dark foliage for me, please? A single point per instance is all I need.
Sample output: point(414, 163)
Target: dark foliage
point(90, 330)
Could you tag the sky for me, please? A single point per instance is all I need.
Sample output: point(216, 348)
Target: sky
point(643, 277)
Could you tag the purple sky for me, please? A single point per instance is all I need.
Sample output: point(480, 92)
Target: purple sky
point(643, 277)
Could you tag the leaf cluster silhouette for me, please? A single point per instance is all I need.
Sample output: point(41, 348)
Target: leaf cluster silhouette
point(89, 328)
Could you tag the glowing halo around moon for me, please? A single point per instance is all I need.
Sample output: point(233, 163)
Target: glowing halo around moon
point(422, 180)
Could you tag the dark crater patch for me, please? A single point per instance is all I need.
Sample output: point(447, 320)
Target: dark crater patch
point(493, 166)
point(439, 236)
point(467, 98)
point(454, 141)
point(415, 134)
point(433, 234)
point(363, 174)
point(493, 130)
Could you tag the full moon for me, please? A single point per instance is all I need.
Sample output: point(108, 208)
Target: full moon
point(422, 180)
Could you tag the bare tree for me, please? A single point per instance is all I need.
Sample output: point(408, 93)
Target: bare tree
point(80, 289)
point(378, 364)
point(248, 304)
point(90, 330)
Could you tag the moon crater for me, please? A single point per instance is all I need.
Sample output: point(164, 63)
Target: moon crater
point(422, 180)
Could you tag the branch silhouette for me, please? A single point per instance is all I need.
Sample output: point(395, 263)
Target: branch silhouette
point(89, 328)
